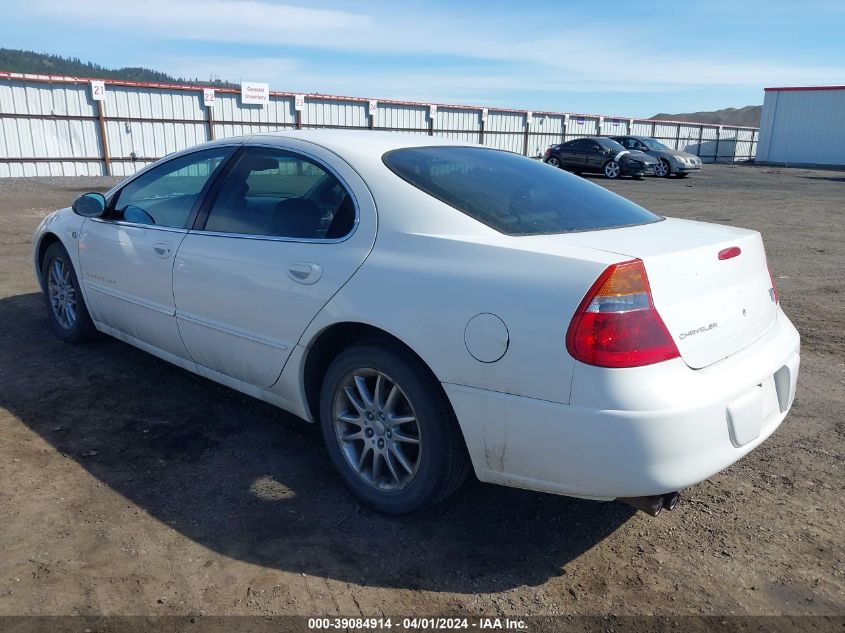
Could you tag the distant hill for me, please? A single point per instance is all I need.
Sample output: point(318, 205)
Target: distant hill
point(748, 116)
point(18, 61)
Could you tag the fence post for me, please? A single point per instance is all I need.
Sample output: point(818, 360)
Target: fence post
point(736, 142)
point(563, 128)
point(677, 135)
point(104, 141)
point(718, 138)
point(700, 139)
point(209, 120)
point(525, 136)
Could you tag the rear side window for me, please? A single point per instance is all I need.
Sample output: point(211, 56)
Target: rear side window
point(513, 194)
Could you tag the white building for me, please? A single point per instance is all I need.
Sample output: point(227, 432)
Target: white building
point(803, 126)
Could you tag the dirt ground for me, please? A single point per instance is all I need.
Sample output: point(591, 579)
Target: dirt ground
point(128, 486)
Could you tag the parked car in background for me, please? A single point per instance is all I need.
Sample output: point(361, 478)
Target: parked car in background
point(670, 161)
point(435, 307)
point(600, 155)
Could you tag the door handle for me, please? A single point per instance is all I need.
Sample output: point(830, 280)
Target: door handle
point(163, 249)
point(305, 273)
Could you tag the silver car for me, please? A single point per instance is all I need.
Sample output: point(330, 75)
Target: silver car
point(670, 161)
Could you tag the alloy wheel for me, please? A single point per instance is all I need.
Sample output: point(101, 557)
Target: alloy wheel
point(662, 168)
point(553, 161)
point(62, 293)
point(377, 429)
point(612, 169)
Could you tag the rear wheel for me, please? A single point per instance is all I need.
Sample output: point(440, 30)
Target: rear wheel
point(389, 430)
point(553, 161)
point(69, 318)
point(662, 169)
point(612, 169)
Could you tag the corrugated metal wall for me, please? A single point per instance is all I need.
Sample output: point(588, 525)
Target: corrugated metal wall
point(803, 126)
point(51, 126)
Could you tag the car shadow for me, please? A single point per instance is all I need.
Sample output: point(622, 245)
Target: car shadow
point(254, 483)
point(829, 178)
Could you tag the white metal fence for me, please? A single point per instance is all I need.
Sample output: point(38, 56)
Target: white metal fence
point(52, 126)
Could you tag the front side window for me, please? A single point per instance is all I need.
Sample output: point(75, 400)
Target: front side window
point(654, 144)
point(609, 144)
point(513, 194)
point(581, 143)
point(276, 193)
point(165, 195)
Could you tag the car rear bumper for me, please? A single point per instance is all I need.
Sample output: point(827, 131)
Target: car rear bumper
point(634, 432)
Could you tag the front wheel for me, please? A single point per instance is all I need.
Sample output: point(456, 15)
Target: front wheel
point(389, 429)
point(553, 161)
point(662, 169)
point(69, 318)
point(612, 169)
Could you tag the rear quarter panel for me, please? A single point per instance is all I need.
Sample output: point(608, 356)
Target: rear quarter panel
point(424, 288)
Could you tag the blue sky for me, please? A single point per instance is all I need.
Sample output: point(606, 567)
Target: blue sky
point(632, 58)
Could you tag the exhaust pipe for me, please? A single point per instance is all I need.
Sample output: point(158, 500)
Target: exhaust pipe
point(654, 504)
point(671, 500)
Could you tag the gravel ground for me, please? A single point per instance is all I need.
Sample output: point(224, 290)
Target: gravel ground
point(128, 486)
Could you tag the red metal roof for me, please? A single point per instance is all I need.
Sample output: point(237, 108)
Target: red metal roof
point(802, 88)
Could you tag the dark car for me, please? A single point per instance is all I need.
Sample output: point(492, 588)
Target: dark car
point(600, 155)
point(670, 161)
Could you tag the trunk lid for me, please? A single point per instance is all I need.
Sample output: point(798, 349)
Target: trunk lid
point(712, 307)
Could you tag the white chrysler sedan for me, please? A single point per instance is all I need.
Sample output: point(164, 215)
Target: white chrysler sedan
point(436, 306)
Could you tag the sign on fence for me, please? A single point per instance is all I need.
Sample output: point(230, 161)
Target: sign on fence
point(208, 96)
point(299, 102)
point(98, 90)
point(255, 93)
point(372, 107)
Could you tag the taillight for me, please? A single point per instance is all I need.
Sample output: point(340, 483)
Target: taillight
point(773, 291)
point(617, 325)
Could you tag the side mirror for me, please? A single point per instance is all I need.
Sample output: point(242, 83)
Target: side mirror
point(90, 205)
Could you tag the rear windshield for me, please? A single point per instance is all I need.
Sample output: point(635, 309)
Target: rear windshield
point(513, 194)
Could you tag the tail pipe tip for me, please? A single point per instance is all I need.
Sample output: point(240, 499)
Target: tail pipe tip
point(653, 505)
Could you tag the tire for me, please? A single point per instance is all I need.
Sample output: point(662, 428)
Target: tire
point(612, 169)
point(663, 169)
point(432, 449)
point(553, 161)
point(69, 318)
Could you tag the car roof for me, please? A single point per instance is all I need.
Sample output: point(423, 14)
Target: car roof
point(357, 141)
